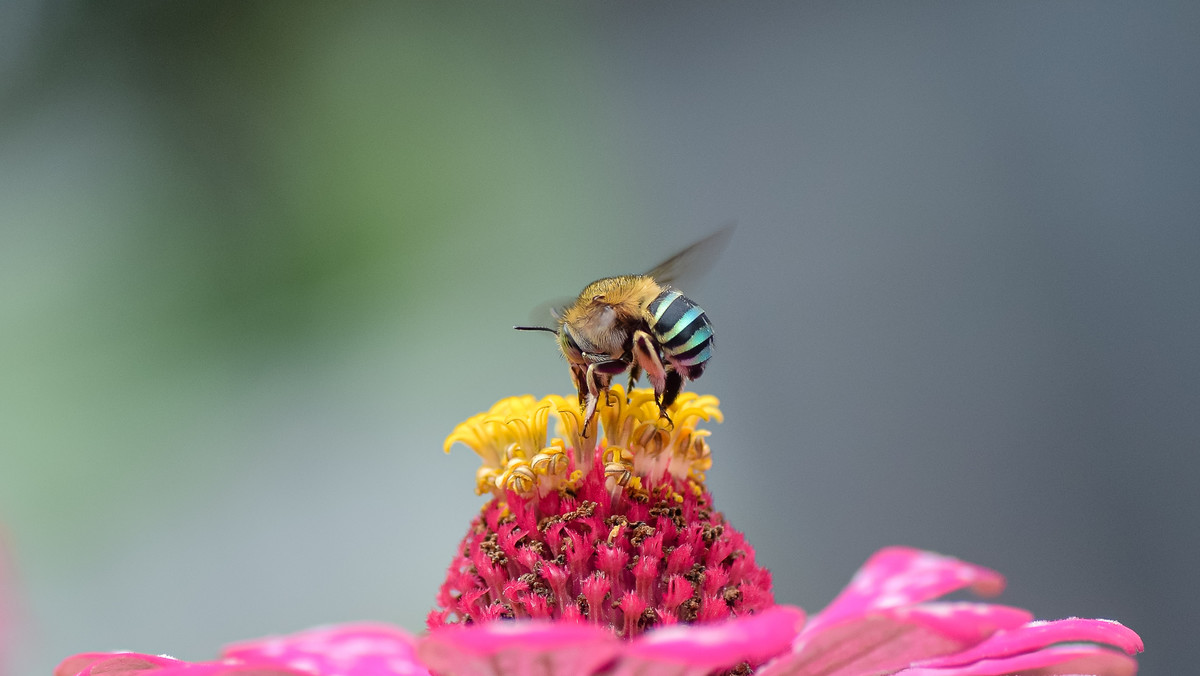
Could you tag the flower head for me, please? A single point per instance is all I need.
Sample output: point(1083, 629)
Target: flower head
point(605, 557)
point(617, 531)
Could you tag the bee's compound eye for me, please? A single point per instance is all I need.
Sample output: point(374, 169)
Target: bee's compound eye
point(567, 339)
point(598, 297)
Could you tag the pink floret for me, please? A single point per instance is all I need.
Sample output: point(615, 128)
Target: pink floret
point(628, 564)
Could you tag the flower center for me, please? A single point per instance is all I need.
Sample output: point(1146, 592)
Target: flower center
point(617, 531)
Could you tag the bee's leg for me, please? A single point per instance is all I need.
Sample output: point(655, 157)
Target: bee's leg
point(635, 372)
point(579, 378)
point(645, 356)
point(673, 387)
point(589, 412)
point(598, 376)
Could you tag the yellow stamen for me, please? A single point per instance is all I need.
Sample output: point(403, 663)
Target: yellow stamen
point(619, 473)
point(485, 480)
point(552, 461)
point(570, 428)
point(517, 477)
point(612, 534)
point(511, 440)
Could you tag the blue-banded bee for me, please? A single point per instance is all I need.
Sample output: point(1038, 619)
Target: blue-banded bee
point(639, 323)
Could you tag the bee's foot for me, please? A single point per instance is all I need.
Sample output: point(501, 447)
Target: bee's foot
point(662, 415)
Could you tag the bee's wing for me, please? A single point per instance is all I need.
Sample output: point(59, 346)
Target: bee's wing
point(693, 261)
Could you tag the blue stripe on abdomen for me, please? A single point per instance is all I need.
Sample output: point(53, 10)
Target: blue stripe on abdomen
point(688, 318)
point(683, 332)
point(659, 306)
point(701, 334)
point(697, 358)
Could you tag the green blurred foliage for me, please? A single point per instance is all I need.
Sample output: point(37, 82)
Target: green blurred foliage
point(204, 205)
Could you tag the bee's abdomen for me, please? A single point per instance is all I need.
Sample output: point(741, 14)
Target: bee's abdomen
point(682, 329)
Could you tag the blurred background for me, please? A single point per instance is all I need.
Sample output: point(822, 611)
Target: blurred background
point(257, 260)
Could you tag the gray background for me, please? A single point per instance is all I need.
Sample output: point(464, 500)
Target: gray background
point(256, 262)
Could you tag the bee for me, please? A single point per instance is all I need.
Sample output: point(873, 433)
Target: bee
point(639, 323)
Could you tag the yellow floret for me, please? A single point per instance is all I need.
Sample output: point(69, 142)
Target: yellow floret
point(511, 440)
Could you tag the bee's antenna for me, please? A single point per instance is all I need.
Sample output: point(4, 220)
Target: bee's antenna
point(535, 328)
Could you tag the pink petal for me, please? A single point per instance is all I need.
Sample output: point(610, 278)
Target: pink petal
point(900, 576)
point(518, 648)
point(81, 663)
point(893, 638)
point(221, 668)
point(962, 621)
point(137, 664)
point(1037, 635)
point(703, 648)
point(1063, 659)
point(344, 650)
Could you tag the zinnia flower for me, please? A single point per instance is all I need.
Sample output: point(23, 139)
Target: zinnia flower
point(606, 556)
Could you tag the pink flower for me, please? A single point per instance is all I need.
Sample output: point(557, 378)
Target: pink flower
point(606, 557)
point(618, 532)
point(882, 623)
